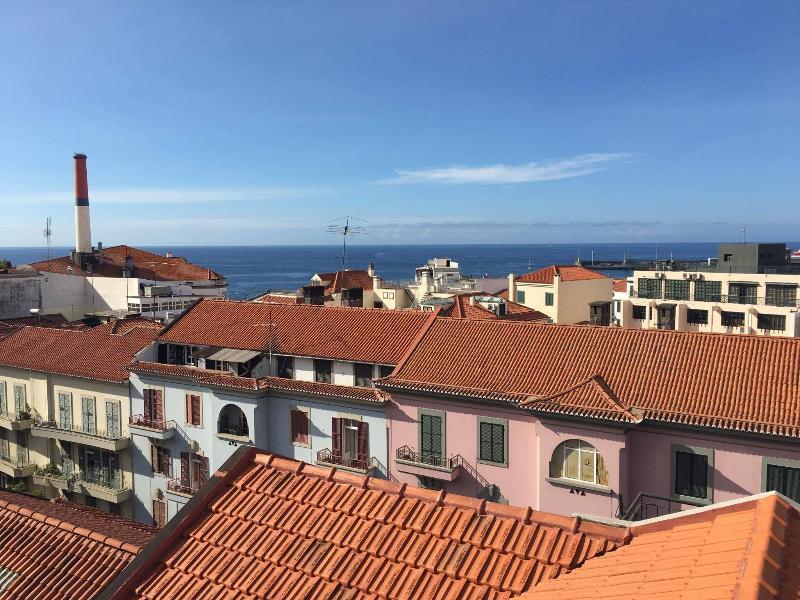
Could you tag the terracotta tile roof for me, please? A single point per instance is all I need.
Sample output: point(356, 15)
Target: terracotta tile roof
point(279, 299)
point(749, 550)
point(99, 353)
point(219, 379)
point(745, 383)
point(462, 309)
point(619, 285)
point(146, 265)
point(266, 526)
point(351, 278)
point(567, 273)
point(59, 550)
point(58, 321)
point(352, 334)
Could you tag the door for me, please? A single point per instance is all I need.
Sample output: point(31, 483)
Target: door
point(88, 415)
point(22, 448)
point(4, 450)
point(67, 460)
point(112, 420)
point(65, 411)
point(349, 441)
point(20, 405)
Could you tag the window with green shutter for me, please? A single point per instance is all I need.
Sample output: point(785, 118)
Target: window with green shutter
point(65, 411)
point(431, 434)
point(548, 298)
point(492, 442)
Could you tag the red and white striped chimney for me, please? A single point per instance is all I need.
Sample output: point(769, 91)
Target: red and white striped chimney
point(83, 229)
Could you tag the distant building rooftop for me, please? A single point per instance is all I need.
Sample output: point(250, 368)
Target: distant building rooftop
point(146, 265)
point(565, 272)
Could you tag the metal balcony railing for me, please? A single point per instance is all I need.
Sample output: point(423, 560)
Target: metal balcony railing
point(648, 506)
point(17, 462)
point(747, 299)
point(406, 454)
point(84, 429)
point(157, 424)
point(327, 457)
point(176, 485)
point(113, 481)
point(22, 416)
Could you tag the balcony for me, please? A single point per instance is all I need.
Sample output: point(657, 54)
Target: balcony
point(19, 466)
point(97, 485)
point(16, 422)
point(151, 428)
point(329, 459)
point(96, 438)
point(428, 465)
point(743, 299)
point(648, 506)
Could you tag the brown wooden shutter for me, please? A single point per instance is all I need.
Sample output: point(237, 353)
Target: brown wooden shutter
point(148, 404)
point(185, 476)
point(159, 513)
point(188, 411)
point(164, 461)
point(363, 443)
point(194, 402)
point(336, 436)
point(299, 427)
point(203, 470)
point(159, 406)
point(154, 457)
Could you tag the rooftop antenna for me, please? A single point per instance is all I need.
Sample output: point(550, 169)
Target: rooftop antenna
point(343, 227)
point(48, 234)
point(744, 230)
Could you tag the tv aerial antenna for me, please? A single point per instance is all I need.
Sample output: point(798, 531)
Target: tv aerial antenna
point(48, 234)
point(346, 227)
point(744, 231)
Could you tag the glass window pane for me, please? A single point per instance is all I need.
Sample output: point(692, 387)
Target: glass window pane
point(587, 466)
point(571, 463)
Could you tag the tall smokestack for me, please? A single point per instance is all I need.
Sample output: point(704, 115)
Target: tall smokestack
point(83, 230)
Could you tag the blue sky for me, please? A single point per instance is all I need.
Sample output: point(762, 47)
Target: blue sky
point(533, 122)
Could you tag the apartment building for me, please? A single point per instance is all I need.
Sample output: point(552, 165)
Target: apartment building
point(293, 379)
point(64, 408)
point(567, 294)
point(752, 289)
point(595, 420)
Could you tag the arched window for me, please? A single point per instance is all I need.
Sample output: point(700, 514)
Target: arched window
point(232, 421)
point(578, 460)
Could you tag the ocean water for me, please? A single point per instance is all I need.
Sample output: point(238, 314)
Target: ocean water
point(254, 269)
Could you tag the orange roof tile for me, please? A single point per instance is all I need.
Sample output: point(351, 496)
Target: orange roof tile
point(745, 383)
point(266, 526)
point(339, 333)
point(746, 550)
point(146, 265)
point(100, 353)
point(619, 285)
point(61, 550)
point(566, 272)
point(590, 398)
point(220, 379)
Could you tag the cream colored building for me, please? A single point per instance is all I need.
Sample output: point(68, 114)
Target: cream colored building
point(714, 302)
point(64, 412)
point(567, 294)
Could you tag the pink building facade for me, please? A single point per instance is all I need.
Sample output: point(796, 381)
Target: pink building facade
point(673, 468)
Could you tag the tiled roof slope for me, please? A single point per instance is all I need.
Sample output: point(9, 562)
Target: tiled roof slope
point(59, 550)
point(747, 383)
point(220, 379)
point(146, 265)
point(339, 333)
point(566, 272)
point(619, 285)
point(589, 398)
point(748, 551)
point(100, 353)
point(279, 299)
point(268, 527)
point(462, 309)
point(351, 278)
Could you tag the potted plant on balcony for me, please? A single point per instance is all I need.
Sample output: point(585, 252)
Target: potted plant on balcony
point(47, 471)
point(24, 415)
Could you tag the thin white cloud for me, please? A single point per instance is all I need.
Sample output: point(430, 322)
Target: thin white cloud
point(564, 168)
point(164, 195)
